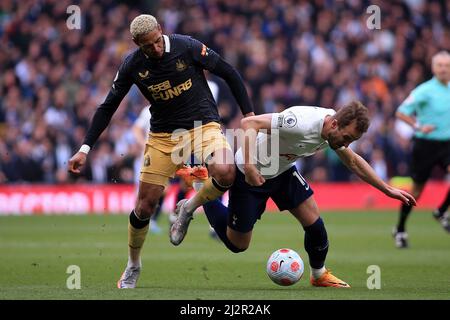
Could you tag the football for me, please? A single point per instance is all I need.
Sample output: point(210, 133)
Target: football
point(285, 267)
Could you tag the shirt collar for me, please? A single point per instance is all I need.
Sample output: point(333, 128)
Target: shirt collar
point(166, 46)
point(166, 43)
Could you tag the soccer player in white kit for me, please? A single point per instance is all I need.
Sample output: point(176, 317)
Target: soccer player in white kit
point(300, 131)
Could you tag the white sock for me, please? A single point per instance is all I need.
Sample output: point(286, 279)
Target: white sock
point(317, 273)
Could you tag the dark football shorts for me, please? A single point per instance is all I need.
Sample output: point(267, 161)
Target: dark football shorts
point(426, 154)
point(247, 203)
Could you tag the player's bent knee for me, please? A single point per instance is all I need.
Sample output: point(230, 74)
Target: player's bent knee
point(238, 241)
point(224, 173)
point(148, 199)
point(235, 249)
point(146, 208)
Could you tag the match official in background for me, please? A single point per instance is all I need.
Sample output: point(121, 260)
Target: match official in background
point(427, 110)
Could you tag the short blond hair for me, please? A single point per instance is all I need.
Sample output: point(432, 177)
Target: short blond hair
point(143, 24)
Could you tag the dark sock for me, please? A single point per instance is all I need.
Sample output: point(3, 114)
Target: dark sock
point(404, 213)
point(444, 206)
point(217, 215)
point(316, 243)
point(136, 222)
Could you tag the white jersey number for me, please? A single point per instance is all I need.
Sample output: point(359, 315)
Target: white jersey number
point(301, 179)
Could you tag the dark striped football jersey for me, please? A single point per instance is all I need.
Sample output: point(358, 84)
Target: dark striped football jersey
point(175, 84)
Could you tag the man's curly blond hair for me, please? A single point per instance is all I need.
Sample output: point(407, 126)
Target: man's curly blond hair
point(143, 24)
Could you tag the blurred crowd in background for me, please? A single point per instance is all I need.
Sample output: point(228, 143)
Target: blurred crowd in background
point(288, 52)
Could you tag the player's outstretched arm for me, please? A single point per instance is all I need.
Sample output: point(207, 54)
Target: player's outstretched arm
point(100, 121)
point(102, 116)
point(363, 170)
point(251, 126)
point(401, 195)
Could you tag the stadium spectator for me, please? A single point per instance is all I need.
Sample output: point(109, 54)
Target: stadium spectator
point(289, 52)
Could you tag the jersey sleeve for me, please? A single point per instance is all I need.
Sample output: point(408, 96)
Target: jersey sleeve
point(122, 81)
point(102, 116)
point(412, 102)
point(286, 121)
point(201, 54)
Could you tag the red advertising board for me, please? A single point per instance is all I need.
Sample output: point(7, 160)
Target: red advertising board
point(66, 199)
point(119, 199)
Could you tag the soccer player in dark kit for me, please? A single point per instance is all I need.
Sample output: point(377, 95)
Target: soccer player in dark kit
point(169, 72)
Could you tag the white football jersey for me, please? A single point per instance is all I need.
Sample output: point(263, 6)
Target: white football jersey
point(297, 131)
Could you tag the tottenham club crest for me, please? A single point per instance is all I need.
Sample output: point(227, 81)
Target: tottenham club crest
point(289, 121)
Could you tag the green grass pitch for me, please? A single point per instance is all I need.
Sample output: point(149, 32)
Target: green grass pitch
point(35, 252)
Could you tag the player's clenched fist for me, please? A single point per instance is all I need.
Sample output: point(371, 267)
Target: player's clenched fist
point(77, 161)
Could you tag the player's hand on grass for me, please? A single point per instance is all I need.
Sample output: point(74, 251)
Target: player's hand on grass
point(401, 195)
point(252, 176)
point(76, 162)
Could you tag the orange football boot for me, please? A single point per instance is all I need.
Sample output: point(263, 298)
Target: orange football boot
point(190, 174)
point(200, 173)
point(185, 174)
point(328, 280)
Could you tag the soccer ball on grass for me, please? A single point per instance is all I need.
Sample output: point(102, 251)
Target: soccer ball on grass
point(285, 267)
